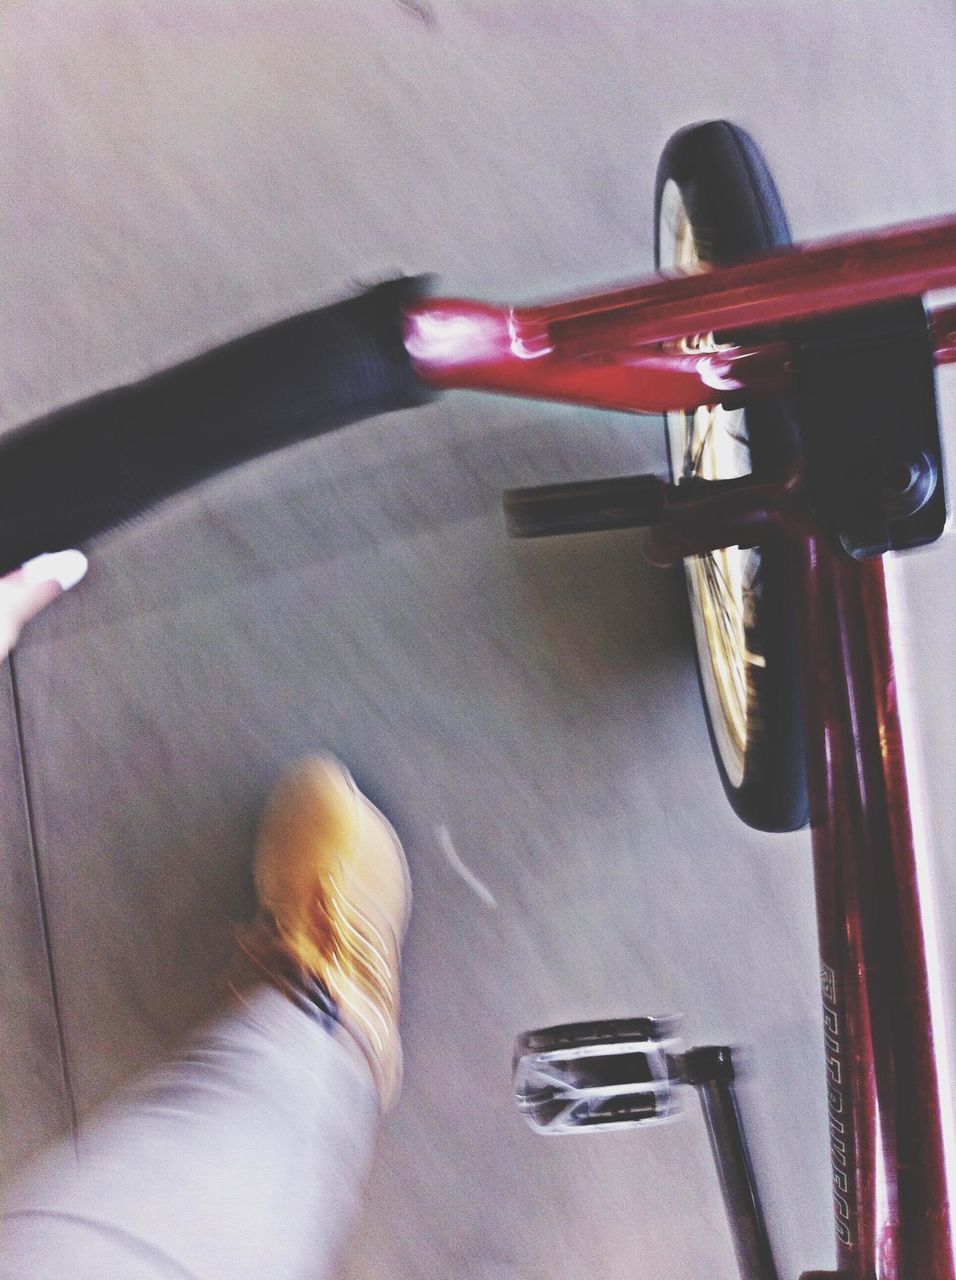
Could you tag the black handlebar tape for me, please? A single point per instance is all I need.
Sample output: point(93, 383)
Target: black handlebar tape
point(87, 468)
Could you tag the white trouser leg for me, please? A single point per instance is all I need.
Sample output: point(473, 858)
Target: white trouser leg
point(243, 1159)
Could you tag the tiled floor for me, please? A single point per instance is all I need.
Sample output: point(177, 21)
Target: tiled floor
point(184, 172)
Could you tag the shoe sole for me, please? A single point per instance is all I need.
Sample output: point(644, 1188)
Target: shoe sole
point(392, 834)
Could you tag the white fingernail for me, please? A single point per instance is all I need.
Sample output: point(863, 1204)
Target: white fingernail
point(64, 567)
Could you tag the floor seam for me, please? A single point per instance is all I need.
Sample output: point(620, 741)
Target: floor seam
point(27, 795)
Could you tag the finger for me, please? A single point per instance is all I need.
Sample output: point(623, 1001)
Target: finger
point(66, 568)
point(32, 587)
point(19, 601)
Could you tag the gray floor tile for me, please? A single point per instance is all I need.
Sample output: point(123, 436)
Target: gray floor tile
point(33, 1086)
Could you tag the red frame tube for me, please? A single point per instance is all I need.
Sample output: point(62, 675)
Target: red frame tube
point(607, 351)
point(466, 345)
point(795, 283)
point(889, 1162)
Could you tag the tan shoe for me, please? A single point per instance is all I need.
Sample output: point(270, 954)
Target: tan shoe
point(335, 894)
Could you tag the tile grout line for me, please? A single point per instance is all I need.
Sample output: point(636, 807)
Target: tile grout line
point(41, 896)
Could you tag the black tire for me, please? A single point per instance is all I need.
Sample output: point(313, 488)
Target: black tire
point(728, 204)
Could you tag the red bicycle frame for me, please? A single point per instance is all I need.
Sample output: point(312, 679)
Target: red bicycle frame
point(627, 350)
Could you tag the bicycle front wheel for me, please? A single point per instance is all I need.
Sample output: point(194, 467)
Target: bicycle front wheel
point(715, 205)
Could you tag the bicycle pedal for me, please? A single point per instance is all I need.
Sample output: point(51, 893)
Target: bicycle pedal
point(610, 1075)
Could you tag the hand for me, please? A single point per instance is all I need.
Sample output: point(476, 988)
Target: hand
point(32, 587)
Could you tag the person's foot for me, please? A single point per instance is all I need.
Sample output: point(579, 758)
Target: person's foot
point(335, 896)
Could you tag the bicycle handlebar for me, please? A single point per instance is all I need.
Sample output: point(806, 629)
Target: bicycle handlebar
point(89, 467)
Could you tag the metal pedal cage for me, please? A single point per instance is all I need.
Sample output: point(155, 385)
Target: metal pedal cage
point(629, 1072)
